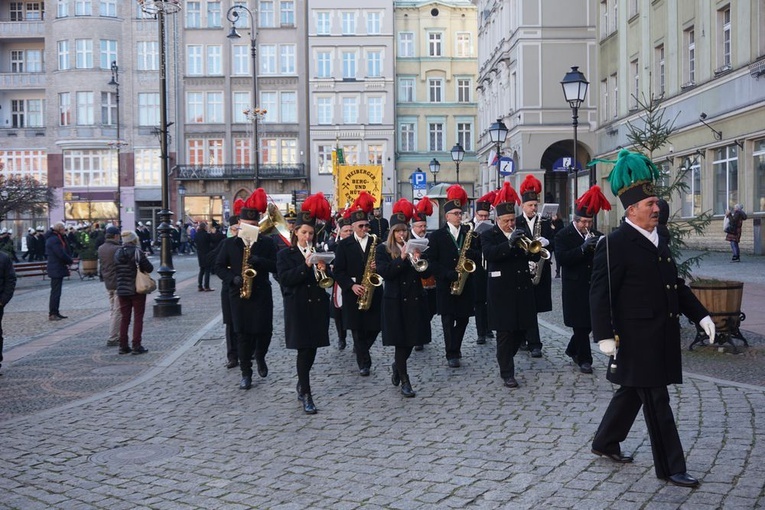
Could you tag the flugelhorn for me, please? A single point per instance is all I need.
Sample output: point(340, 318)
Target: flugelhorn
point(325, 281)
point(419, 245)
point(533, 246)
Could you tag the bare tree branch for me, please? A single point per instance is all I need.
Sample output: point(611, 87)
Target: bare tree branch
point(22, 194)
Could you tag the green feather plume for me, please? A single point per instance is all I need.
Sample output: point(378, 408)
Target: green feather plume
point(629, 168)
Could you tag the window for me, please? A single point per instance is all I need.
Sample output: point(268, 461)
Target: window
point(690, 38)
point(213, 15)
point(214, 60)
point(90, 167)
point(27, 113)
point(85, 114)
point(288, 107)
point(287, 59)
point(435, 90)
point(269, 102)
point(350, 110)
point(244, 19)
point(465, 135)
point(324, 64)
point(464, 45)
point(349, 65)
point(83, 53)
point(323, 26)
point(726, 36)
point(241, 103)
point(348, 21)
point(288, 153)
point(63, 55)
point(108, 53)
point(374, 64)
point(324, 153)
point(633, 5)
point(242, 151)
point(374, 23)
point(406, 90)
point(434, 44)
point(406, 139)
point(209, 152)
point(615, 94)
point(405, 44)
point(108, 109)
point(194, 60)
point(375, 154)
point(435, 136)
point(62, 8)
point(266, 16)
point(351, 154)
point(148, 167)
point(17, 61)
point(17, 113)
point(660, 69)
point(268, 59)
point(759, 175)
point(635, 79)
point(604, 104)
point(214, 107)
point(148, 109)
point(64, 109)
point(83, 8)
point(195, 107)
point(34, 61)
point(725, 175)
point(32, 163)
point(240, 54)
point(464, 85)
point(193, 15)
point(108, 8)
point(691, 199)
point(148, 56)
point(324, 111)
point(375, 110)
point(287, 13)
point(604, 28)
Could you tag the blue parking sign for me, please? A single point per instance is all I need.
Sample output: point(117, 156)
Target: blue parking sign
point(419, 180)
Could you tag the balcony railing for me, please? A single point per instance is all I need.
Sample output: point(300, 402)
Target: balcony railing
point(219, 172)
point(22, 80)
point(34, 28)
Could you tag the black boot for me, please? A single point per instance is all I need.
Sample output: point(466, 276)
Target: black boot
point(299, 391)
point(406, 387)
point(246, 382)
point(394, 377)
point(308, 406)
point(341, 344)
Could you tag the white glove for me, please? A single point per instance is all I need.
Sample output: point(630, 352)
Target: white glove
point(544, 241)
point(607, 347)
point(708, 325)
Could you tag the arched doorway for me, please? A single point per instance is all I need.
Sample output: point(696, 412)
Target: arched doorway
point(560, 186)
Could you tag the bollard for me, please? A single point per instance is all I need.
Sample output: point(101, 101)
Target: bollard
point(757, 223)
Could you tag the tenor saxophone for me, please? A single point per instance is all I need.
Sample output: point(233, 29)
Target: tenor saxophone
point(369, 279)
point(465, 266)
point(539, 266)
point(248, 274)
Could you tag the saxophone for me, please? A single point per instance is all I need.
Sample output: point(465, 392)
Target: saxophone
point(248, 274)
point(538, 266)
point(369, 279)
point(465, 266)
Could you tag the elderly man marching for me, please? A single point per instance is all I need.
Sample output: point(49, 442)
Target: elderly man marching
point(636, 299)
point(482, 223)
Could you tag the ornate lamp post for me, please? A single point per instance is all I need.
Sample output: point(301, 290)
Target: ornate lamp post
point(435, 167)
point(167, 303)
point(575, 91)
point(497, 134)
point(253, 114)
point(458, 154)
point(117, 144)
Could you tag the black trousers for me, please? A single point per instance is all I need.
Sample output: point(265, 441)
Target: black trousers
point(532, 336)
point(203, 280)
point(341, 333)
point(508, 343)
point(400, 358)
point(55, 295)
point(481, 319)
point(305, 359)
point(362, 342)
point(232, 353)
point(579, 345)
point(668, 457)
point(2, 309)
point(249, 345)
point(454, 331)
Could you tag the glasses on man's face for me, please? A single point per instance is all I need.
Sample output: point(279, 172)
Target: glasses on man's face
point(365, 225)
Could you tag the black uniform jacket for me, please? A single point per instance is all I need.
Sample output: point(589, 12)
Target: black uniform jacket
point(510, 294)
point(576, 269)
point(306, 305)
point(442, 254)
point(349, 266)
point(543, 290)
point(253, 316)
point(647, 299)
point(479, 276)
point(405, 316)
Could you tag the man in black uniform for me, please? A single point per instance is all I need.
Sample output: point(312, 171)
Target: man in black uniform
point(482, 223)
point(636, 299)
point(536, 227)
point(419, 230)
point(252, 316)
point(378, 225)
point(344, 230)
point(351, 257)
point(443, 253)
point(574, 250)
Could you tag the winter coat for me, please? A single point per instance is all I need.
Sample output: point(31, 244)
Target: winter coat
point(59, 255)
point(126, 270)
point(543, 290)
point(204, 247)
point(108, 267)
point(7, 279)
point(442, 255)
point(576, 270)
point(737, 218)
point(349, 266)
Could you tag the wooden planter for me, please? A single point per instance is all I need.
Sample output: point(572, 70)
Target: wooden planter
point(722, 299)
point(89, 267)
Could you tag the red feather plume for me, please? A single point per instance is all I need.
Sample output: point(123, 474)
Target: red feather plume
point(318, 207)
point(425, 206)
point(488, 197)
point(457, 192)
point(506, 194)
point(258, 201)
point(347, 214)
point(531, 183)
point(593, 200)
point(364, 202)
point(404, 207)
point(238, 204)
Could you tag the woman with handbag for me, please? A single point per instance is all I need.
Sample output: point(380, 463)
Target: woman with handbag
point(736, 217)
point(129, 263)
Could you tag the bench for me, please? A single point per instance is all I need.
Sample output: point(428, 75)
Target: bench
point(24, 269)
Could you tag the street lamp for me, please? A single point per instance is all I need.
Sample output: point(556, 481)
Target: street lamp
point(458, 154)
point(167, 302)
point(118, 143)
point(253, 114)
point(575, 90)
point(497, 134)
point(181, 195)
point(435, 167)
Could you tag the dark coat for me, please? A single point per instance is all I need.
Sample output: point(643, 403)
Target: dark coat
point(442, 254)
point(205, 246)
point(106, 259)
point(379, 227)
point(405, 316)
point(126, 270)
point(7, 280)
point(225, 300)
point(306, 305)
point(40, 246)
point(647, 299)
point(576, 269)
point(480, 275)
point(736, 222)
point(510, 294)
point(253, 316)
point(59, 255)
point(349, 266)
point(543, 290)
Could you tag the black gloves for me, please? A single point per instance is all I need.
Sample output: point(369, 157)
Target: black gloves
point(237, 281)
point(517, 234)
point(253, 261)
point(589, 243)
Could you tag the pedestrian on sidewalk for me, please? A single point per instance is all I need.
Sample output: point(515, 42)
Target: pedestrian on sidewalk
point(128, 260)
point(204, 248)
point(109, 276)
point(59, 260)
point(7, 287)
point(736, 217)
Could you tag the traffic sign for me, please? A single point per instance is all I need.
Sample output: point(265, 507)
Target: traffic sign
point(419, 180)
point(418, 193)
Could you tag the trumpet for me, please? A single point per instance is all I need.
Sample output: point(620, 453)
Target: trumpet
point(420, 245)
point(533, 246)
point(325, 281)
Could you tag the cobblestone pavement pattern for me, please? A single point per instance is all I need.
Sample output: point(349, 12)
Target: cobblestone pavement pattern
point(85, 428)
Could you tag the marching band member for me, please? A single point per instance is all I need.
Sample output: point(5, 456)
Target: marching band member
point(536, 227)
point(344, 229)
point(251, 301)
point(574, 250)
point(482, 223)
point(510, 293)
point(446, 246)
point(232, 354)
point(306, 303)
point(354, 259)
point(423, 209)
point(404, 309)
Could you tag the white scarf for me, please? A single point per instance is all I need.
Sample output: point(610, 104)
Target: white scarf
point(652, 236)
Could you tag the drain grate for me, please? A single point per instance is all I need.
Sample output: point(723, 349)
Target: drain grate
point(138, 454)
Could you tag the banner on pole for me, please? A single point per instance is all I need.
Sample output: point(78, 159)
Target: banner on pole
point(353, 179)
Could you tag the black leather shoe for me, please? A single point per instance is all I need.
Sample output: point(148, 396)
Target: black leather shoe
point(489, 334)
point(140, 350)
point(481, 340)
point(262, 367)
point(419, 347)
point(341, 344)
point(454, 363)
point(585, 368)
point(299, 391)
point(54, 317)
point(308, 405)
point(621, 458)
point(201, 289)
point(683, 480)
point(246, 383)
point(61, 316)
point(364, 372)
point(536, 353)
point(406, 389)
point(395, 378)
point(124, 350)
point(510, 382)
point(232, 363)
